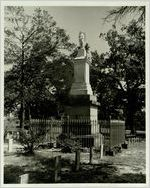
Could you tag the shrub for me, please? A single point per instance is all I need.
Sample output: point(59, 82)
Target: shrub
point(31, 137)
point(68, 142)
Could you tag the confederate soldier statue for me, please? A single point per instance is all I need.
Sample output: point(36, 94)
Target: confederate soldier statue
point(83, 51)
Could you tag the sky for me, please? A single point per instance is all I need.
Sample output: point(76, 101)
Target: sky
point(86, 19)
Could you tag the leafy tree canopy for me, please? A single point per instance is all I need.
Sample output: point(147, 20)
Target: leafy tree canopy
point(35, 45)
point(118, 76)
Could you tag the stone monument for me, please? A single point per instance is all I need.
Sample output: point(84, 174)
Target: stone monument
point(82, 104)
point(81, 84)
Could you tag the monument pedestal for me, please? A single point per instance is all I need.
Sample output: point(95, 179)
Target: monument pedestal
point(82, 112)
point(82, 107)
point(81, 84)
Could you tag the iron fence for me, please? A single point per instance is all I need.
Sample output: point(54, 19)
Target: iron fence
point(88, 132)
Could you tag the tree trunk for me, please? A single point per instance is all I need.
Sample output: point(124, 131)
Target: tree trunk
point(22, 114)
point(131, 110)
point(31, 149)
point(22, 108)
point(130, 121)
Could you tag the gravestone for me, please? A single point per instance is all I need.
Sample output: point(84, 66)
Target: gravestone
point(82, 104)
point(77, 160)
point(10, 145)
point(24, 179)
point(91, 155)
point(57, 169)
point(102, 147)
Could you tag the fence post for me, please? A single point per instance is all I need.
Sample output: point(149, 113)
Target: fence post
point(133, 140)
point(77, 160)
point(102, 146)
point(102, 150)
point(91, 155)
point(24, 179)
point(129, 141)
point(10, 144)
point(57, 169)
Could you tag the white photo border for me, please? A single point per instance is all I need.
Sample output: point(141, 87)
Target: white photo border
point(77, 3)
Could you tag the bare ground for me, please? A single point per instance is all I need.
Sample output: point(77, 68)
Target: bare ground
point(125, 167)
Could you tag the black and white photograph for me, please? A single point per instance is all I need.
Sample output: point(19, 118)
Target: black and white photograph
point(74, 85)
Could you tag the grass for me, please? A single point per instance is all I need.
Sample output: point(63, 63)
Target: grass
point(103, 173)
point(12, 173)
point(125, 167)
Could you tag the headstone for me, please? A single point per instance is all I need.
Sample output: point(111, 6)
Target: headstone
point(10, 145)
point(102, 150)
point(54, 144)
point(102, 146)
point(57, 169)
point(8, 135)
point(24, 179)
point(18, 135)
point(91, 155)
point(77, 160)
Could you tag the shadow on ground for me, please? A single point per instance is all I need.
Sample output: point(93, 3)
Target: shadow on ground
point(103, 173)
point(42, 171)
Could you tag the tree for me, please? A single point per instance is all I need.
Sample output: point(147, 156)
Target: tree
point(120, 12)
point(123, 69)
point(104, 87)
point(31, 138)
point(31, 44)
